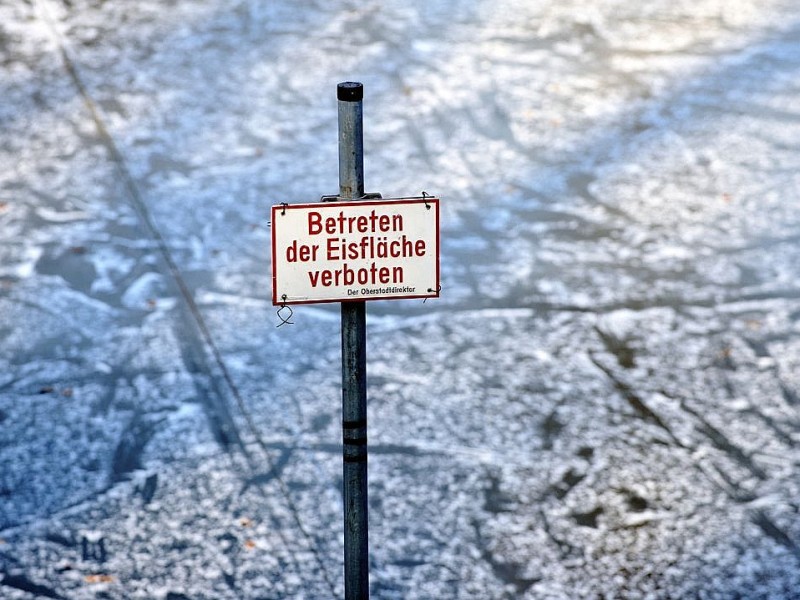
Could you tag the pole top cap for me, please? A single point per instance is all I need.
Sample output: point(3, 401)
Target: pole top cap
point(350, 91)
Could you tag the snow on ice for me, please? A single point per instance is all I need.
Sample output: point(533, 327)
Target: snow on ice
point(605, 400)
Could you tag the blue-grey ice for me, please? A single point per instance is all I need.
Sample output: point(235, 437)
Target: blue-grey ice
point(605, 400)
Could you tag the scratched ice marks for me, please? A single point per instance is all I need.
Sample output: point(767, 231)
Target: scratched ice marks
point(605, 400)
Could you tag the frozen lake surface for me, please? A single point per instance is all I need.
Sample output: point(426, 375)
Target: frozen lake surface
point(605, 401)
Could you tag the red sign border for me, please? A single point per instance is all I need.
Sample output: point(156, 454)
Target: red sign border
point(382, 202)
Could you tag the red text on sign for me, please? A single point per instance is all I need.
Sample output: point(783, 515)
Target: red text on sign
point(369, 248)
point(371, 223)
point(362, 276)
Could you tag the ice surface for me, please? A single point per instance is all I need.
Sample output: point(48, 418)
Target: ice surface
point(603, 402)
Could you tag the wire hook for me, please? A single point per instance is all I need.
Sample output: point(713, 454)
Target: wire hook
point(285, 320)
point(431, 290)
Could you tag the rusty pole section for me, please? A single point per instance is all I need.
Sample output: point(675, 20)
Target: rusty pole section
point(354, 362)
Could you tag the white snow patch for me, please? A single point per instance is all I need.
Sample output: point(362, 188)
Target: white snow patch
point(143, 290)
point(55, 216)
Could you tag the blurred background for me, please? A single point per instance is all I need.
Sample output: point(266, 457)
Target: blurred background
point(605, 400)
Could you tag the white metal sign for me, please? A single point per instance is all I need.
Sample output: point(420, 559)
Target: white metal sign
point(356, 250)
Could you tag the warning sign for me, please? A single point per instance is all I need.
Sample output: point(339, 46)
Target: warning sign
point(359, 250)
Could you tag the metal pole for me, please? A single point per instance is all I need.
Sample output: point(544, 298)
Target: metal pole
point(354, 363)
